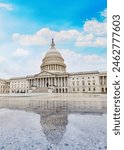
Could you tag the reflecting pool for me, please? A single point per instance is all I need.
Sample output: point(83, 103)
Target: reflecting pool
point(47, 125)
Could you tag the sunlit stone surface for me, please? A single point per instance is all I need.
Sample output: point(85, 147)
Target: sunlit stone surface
point(46, 125)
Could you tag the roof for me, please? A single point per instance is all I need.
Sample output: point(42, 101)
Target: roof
point(18, 78)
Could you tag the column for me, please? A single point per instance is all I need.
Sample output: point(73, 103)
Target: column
point(36, 82)
point(100, 80)
point(48, 80)
point(31, 81)
point(64, 82)
point(55, 80)
point(39, 82)
point(43, 81)
point(58, 81)
point(52, 81)
point(61, 81)
point(103, 80)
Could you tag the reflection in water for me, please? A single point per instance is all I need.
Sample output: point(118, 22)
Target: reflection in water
point(53, 114)
point(53, 119)
point(54, 125)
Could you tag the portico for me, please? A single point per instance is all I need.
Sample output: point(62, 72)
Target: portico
point(59, 83)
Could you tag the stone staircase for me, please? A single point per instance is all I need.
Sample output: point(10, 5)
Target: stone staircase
point(40, 90)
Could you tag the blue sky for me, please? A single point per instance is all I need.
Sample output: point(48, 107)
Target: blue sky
point(26, 29)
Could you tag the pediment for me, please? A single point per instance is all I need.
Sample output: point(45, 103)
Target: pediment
point(44, 74)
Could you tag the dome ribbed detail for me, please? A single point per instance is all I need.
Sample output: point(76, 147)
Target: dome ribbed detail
point(53, 60)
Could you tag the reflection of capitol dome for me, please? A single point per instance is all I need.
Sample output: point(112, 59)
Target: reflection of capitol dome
point(53, 61)
point(54, 125)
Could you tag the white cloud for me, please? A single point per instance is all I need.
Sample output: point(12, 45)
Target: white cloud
point(76, 62)
point(92, 35)
point(95, 27)
point(91, 41)
point(21, 52)
point(2, 59)
point(44, 35)
point(29, 39)
point(104, 13)
point(79, 62)
point(8, 7)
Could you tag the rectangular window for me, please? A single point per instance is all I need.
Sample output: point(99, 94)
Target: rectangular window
point(83, 83)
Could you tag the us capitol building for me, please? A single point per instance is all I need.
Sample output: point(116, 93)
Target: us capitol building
point(54, 78)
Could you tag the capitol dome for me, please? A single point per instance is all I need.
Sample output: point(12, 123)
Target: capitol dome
point(53, 61)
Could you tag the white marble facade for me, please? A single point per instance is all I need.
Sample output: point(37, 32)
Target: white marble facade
point(53, 77)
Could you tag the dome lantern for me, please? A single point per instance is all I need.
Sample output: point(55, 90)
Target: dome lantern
point(52, 44)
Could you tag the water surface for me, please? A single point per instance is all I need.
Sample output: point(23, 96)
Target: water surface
point(45, 125)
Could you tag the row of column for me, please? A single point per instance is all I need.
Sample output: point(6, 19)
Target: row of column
point(103, 80)
point(53, 67)
point(50, 81)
